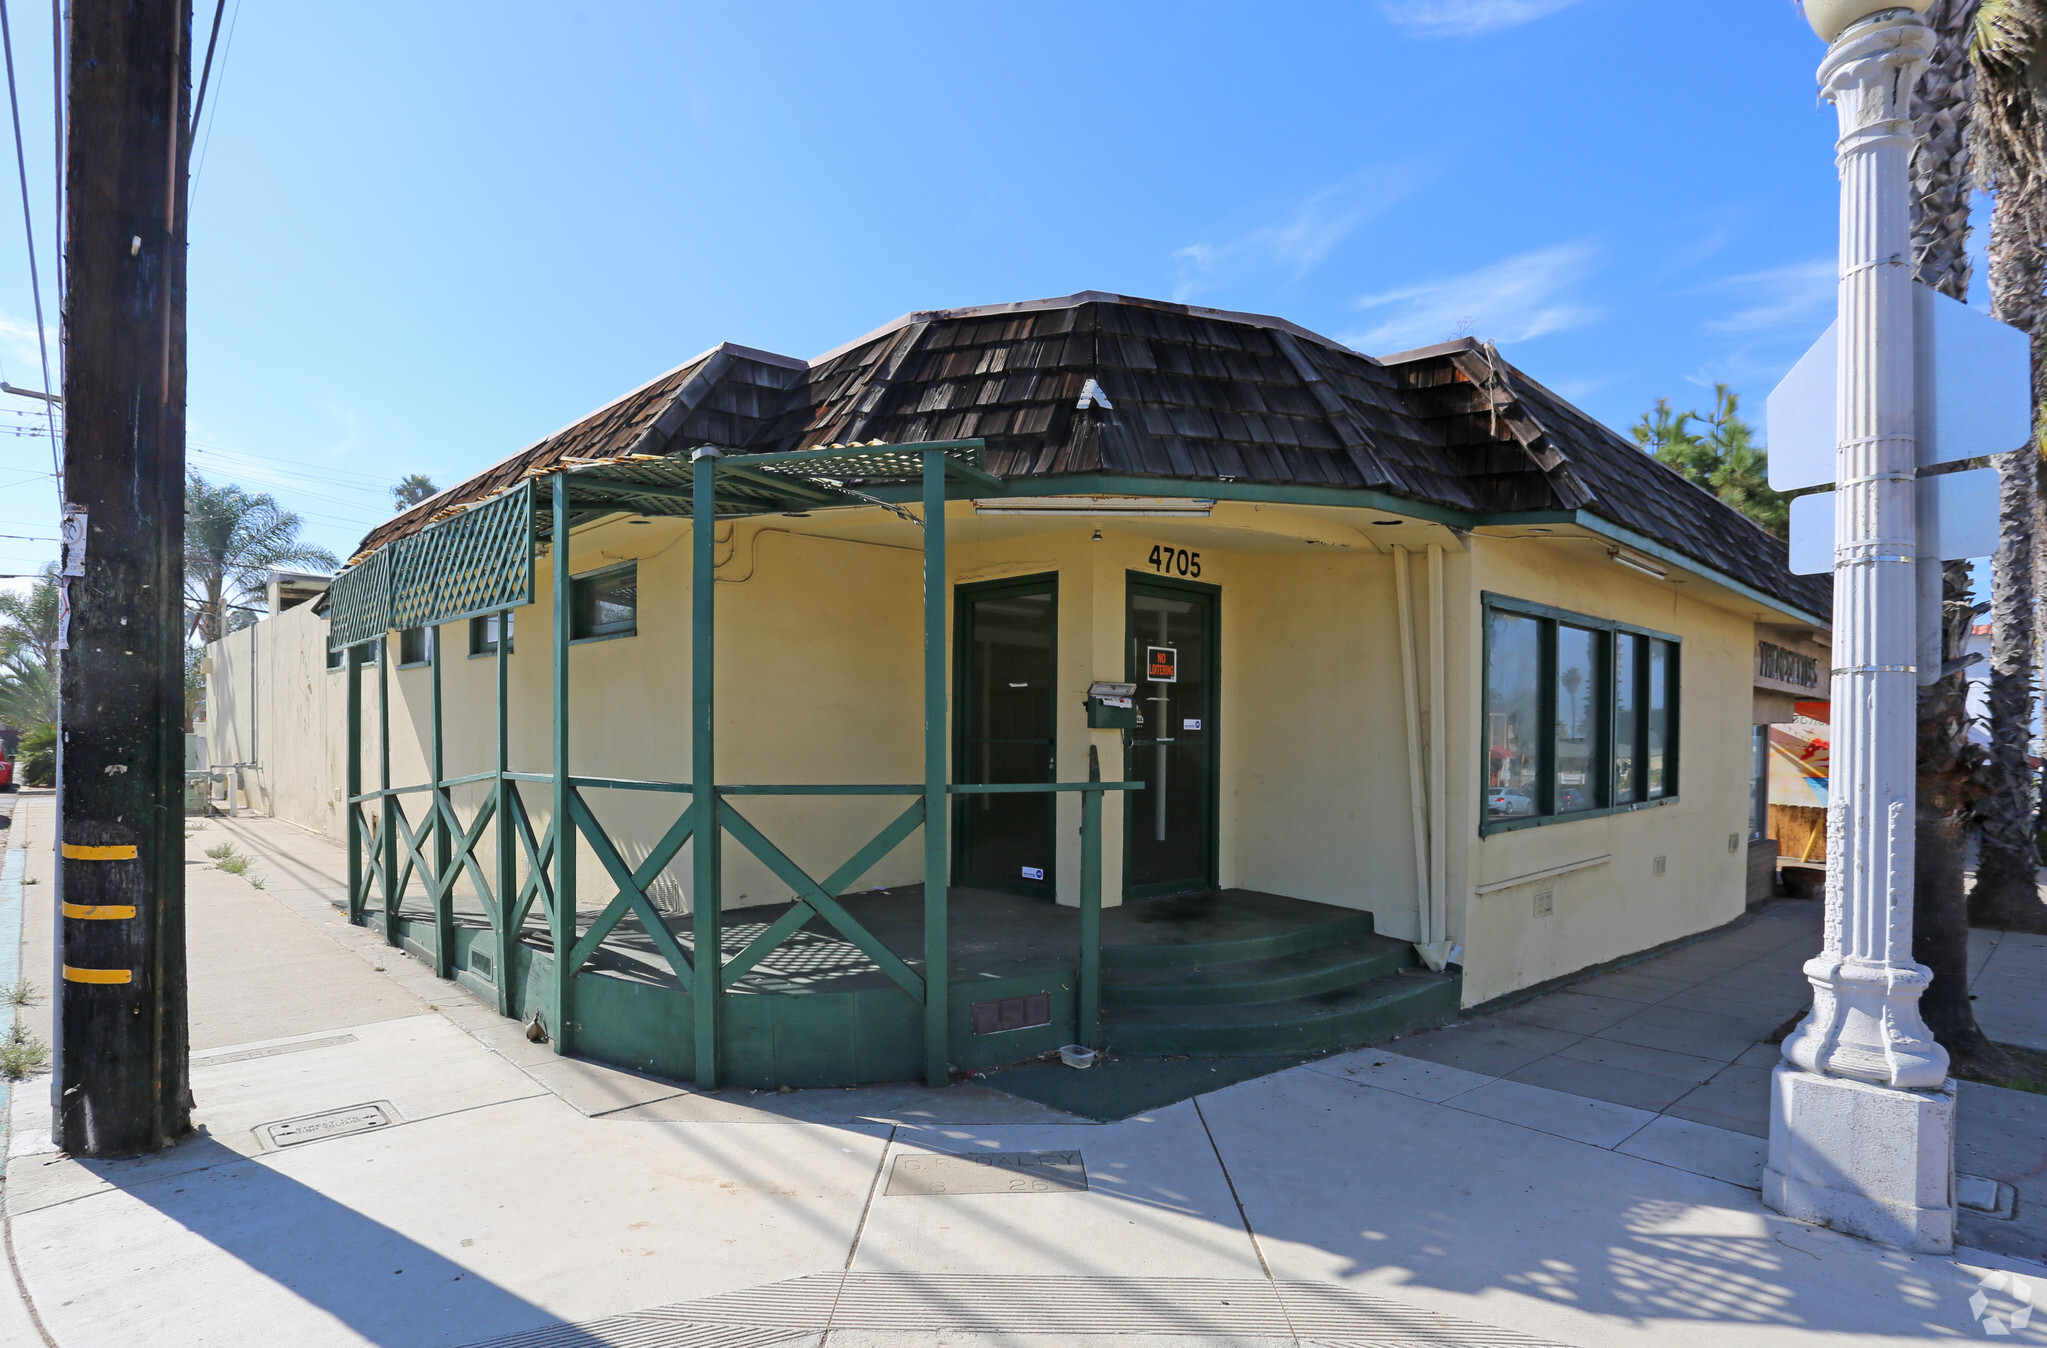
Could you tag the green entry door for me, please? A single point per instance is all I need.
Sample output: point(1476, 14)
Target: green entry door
point(1170, 826)
point(1003, 693)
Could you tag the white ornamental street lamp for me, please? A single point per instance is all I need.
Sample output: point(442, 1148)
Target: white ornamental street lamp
point(1862, 1112)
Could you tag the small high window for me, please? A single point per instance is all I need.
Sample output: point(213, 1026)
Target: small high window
point(483, 634)
point(339, 659)
point(415, 646)
point(605, 603)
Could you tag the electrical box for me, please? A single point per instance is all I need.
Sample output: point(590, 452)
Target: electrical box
point(1111, 706)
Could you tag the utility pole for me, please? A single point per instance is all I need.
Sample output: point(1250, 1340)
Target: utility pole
point(122, 1081)
point(1862, 1111)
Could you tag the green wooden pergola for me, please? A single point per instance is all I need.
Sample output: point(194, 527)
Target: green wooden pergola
point(480, 561)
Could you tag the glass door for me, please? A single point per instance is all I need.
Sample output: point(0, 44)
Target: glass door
point(1007, 643)
point(1170, 826)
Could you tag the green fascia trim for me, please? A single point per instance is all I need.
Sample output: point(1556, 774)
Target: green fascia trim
point(1662, 552)
point(1360, 498)
point(1105, 484)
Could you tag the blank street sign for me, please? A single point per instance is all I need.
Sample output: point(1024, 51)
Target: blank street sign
point(1957, 520)
point(1972, 394)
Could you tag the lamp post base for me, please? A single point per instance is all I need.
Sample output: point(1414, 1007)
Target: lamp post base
point(1871, 1161)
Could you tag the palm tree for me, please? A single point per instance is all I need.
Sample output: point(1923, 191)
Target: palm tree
point(1946, 786)
point(232, 539)
point(412, 489)
point(29, 621)
point(2009, 38)
point(28, 654)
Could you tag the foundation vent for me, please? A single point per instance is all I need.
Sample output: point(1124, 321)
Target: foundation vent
point(481, 963)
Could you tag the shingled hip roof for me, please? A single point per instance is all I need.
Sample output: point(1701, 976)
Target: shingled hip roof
point(1186, 393)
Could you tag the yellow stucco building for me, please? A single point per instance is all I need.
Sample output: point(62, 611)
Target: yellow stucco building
point(1324, 695)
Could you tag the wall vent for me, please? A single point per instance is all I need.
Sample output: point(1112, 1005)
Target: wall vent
point(998, 1014)
point(1545, 902)
point(480, 963)
point(1734, 842)
point(1657, 866)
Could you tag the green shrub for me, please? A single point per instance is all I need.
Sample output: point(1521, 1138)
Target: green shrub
point(35, 761)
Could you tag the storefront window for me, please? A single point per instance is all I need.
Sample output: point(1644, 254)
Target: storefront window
point(1662, 665)
point(1581, 714)
point(1579, 698)
point(1513, 721)
point(1627, 704)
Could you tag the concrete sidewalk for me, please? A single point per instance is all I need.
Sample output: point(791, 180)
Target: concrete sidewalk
point(1374, 1197)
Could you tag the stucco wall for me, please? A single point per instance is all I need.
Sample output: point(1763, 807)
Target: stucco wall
point(1619, 906)
point(820, 680)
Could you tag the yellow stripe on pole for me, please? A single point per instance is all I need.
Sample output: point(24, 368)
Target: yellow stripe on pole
point(72, 975)
point(100, 911)
point(117, 852)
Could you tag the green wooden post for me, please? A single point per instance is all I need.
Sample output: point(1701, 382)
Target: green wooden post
point(504, 830)
point(564, 927)
point(706, 903)
point(352, 786)
point(937, 807)
point(1089, 1027)
point(389, 802)
point(442, 893)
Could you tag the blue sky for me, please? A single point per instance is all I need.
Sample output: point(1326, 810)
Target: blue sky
point(424, 235)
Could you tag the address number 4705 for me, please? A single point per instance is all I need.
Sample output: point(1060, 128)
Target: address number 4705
point(1172, 561)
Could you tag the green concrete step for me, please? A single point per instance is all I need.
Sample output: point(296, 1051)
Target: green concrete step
point(1276, 979)
point(1308, 927)
point(1348, 1017)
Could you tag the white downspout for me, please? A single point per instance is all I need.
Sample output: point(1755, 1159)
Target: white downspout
point(1410, 688)
point(1440, 950)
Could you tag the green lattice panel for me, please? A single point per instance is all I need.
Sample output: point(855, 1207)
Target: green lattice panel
point(476, 562)
point(359, 602)
point(879, 463)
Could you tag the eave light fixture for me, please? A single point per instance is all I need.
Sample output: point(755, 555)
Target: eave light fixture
point(1096, 505)
point(1635, 561)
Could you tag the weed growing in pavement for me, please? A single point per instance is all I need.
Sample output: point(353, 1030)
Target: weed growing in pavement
point(21, 1053)
point(21, 992)
point(228, 859)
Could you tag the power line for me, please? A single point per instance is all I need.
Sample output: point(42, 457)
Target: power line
point(226, 51)
point(35, 285)
point(57, 129)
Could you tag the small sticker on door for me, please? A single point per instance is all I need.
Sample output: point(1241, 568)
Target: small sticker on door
point(1034, 872)
point(1190, 725)
point(1162, 664)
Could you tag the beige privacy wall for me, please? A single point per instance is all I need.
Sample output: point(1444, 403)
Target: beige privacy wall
point(820, 680)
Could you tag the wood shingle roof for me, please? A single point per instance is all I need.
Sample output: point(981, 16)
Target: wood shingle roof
point(1191, 393)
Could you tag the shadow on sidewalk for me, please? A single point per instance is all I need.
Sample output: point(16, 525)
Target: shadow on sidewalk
point(384, 1286)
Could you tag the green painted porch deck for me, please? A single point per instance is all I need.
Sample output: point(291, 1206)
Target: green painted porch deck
point(1224, 973)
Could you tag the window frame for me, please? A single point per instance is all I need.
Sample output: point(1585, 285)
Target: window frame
point(337, 660)
point(482, 647)
point(576, 589)
point(1604, 767)
point(431, 640)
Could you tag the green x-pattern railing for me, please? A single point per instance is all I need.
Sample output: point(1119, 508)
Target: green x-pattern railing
point(717, 484)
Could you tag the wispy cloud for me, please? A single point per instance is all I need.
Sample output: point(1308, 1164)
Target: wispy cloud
point(1467, 18)
point(20, 356)
point(1303, 239)
point(1518, 299)
point(1796, 295)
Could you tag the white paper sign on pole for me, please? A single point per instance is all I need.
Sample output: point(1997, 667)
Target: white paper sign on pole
point(1972, 394)
point(1957, 520)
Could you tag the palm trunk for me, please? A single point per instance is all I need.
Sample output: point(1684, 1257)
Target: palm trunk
point(2007, 893)
point(1941, 111)
point(2007, 109)
point(1946, 789)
